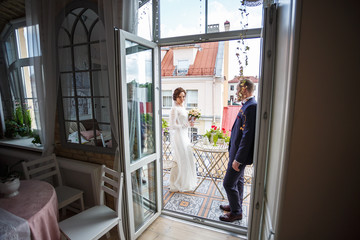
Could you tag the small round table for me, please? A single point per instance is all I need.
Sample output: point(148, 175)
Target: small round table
point(210, 157)
point(37, 204)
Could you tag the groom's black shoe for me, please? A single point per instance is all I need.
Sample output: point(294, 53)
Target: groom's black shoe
point(225, 207)
point(229, 217)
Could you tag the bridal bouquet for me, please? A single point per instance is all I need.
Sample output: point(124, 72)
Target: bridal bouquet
point(194, 114)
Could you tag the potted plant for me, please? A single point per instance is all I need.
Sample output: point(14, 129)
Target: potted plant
point(12, 129)
point(20, 124)
point(36, 140)
point(215, 134)
point(10, 180)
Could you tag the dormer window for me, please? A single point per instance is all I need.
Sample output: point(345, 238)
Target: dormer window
point(182, 67)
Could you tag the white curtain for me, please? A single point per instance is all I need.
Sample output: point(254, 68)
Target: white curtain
point(2, 120)
point(110, 12)
point(113, 17)
point(42, 13)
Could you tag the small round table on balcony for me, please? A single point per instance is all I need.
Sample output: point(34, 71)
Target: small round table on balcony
point(213, 160)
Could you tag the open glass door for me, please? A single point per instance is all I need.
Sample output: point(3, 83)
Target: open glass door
point(140, 130)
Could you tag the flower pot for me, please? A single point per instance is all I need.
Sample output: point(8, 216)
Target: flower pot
point(9, 187)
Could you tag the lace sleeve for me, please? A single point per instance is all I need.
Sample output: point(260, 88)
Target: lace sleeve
point(174, 120)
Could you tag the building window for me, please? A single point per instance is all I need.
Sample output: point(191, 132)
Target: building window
point(191, 98)
point(193, 134)
point(232, 87)
point(85, 101)
point(166, 99)
point(21, 113)
point(182, 67)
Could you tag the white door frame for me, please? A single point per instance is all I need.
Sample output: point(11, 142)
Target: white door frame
point(123, 111)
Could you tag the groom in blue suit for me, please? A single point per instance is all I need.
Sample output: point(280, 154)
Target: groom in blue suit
point(241, 151)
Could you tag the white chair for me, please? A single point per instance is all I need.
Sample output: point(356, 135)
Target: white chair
point(46, 167)
point(94, 222)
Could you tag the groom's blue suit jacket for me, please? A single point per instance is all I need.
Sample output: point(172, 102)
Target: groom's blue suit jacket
point(241, 146)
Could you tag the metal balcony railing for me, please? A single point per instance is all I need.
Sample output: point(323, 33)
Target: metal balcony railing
point(204, 160)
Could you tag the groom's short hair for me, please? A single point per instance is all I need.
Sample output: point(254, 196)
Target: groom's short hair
point(250, 86)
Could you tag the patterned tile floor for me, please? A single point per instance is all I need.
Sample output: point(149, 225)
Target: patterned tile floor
point(204, 202)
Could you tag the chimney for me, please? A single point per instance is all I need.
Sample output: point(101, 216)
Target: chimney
point(227, 25)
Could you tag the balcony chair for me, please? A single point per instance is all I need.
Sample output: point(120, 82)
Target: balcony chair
point(46, 167)
point(94, 222)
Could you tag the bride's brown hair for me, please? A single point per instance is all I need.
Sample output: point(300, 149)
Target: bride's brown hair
point(177, 93)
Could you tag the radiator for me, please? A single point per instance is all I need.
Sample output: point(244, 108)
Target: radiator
point(82, 175)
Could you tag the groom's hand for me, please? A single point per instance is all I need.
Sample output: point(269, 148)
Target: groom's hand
point(236, 165)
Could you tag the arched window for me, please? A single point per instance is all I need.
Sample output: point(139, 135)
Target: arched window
point(84, 86)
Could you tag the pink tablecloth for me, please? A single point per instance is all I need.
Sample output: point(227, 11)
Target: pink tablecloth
point(36, 203)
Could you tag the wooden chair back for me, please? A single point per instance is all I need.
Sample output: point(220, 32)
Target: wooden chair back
point(111, 183)
point(42, 169)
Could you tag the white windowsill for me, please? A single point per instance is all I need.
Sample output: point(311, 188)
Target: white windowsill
point(24, 143)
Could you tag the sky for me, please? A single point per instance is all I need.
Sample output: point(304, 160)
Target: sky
point(187, 17)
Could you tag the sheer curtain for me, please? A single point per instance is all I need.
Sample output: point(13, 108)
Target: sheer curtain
point(114, 17)
point(110, 12)
point(42, 13)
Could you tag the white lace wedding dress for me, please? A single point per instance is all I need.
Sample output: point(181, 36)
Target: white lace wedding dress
point(183, 175)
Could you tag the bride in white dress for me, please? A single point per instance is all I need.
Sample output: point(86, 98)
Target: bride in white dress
point(183, 175)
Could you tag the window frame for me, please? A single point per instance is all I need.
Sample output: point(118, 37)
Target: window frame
point(187, 98)
point(163, 101)
point(15, 81)
point(90, 71)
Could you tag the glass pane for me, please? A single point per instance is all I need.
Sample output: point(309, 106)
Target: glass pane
point(64, 38)
point(181, 17)
point(89, 17)
point(222, 11)
point(69, 108)
point(100, 83)
point(14, 85)
point(33, 110)
point(10, 46)
point(81, 57)
point(95, 56)
point(21, 42)
point(83, 87)
point(74, 136)
point(102, 109)
point(105, 135)
point(67, 85)
point(33, 41)
point(97, 33)
point(253, 58)
point(167, 98)
point(65, 59)
point(145, 20)
point(143, 184)
point(28, 82)
point(80, 34)
point(85, 108)
point(69, 22)
point(77, 11)
point(139, 80)
point(192, 98)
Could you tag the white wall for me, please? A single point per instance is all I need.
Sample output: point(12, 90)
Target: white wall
point(184, 53)
point(319, 193)
point(209, 101)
